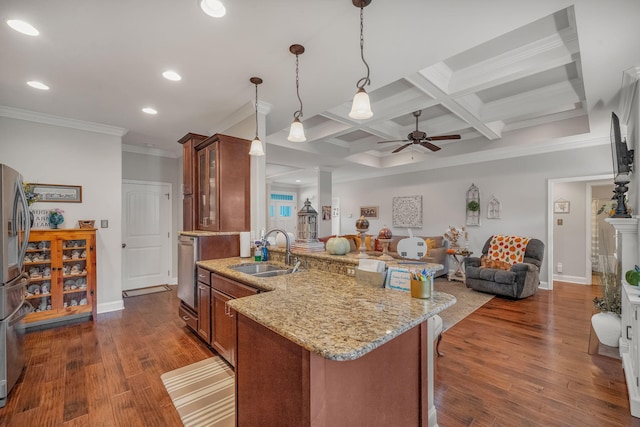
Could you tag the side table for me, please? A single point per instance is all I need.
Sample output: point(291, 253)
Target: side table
point(458, 258)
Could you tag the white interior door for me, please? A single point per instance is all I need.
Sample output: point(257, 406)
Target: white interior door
point(282, 212)
point(146, 234)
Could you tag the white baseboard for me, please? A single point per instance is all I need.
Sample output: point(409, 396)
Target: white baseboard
point(173, 281)
point(571, 279)
point(110, 306)
point(543, 285)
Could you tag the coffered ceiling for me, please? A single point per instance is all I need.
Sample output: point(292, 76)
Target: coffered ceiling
point(512, 78)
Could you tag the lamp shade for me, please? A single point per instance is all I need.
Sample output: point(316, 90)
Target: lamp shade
point(256, 148)
point(361, 107)
point(296, 133)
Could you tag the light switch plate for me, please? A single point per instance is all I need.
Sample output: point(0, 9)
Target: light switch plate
point(104, 223)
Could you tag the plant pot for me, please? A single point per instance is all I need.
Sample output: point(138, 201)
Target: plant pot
point(607, 326)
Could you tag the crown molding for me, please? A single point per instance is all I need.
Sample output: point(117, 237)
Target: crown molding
point(32, 116)
point(630, 79)
point(150, 151)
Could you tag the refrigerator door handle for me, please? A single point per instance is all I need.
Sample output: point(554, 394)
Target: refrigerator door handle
point(21, 198)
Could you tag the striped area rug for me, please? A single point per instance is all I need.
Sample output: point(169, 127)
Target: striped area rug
point(203, 393)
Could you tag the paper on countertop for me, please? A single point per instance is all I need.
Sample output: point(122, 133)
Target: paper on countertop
point(372, 265)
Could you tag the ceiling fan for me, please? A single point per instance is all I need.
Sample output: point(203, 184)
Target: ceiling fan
point(420, 138)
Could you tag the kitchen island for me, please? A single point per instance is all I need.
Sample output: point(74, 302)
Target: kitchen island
point(322, 350)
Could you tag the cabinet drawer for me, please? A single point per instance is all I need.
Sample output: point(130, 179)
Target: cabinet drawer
point(203, 276)
point(231, 287)
point(189, 318)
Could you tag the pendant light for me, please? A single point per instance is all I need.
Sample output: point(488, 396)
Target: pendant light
point(361, 107)
point(256, 144)
point(296, 134)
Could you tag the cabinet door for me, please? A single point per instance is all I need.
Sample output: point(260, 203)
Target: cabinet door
point(223, 336)
point(207, 188)
point(37, 263)
point(204, 312)
point(76, 254)
point(187, 167)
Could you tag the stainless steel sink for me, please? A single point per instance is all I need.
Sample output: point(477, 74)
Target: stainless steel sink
point(260, 269)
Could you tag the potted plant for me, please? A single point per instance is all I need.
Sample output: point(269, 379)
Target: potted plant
point(607, 323)
point(55, 217)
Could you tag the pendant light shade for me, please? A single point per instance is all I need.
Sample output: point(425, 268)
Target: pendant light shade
point(296, 134)
point(256, 145)
point(361, 106)
point(256, 148)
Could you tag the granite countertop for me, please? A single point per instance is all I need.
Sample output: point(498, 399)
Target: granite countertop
point(196, 233)
point(328, 313)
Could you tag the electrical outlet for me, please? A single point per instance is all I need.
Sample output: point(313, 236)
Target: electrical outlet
point(104, 223)
point(351, 271)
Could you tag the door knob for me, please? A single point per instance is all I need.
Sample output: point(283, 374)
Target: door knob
point(124, 245)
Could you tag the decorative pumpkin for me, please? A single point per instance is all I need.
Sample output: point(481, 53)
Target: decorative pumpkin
point(338, 246)
point(385, 233)
point(362, 223)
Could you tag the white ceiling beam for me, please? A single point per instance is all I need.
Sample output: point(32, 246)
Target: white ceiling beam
point(421, 82)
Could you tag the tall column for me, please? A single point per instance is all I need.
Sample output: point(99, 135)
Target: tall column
point(259, 202)
point(324, 199)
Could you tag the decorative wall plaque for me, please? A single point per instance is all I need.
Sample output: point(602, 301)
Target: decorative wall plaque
point(407, 212)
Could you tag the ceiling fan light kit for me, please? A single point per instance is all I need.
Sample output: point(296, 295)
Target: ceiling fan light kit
point(361, 106)
point(256, 148)
point(296, 133)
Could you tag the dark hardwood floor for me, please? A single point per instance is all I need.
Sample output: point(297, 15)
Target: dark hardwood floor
point(510, 363)
point(525, 363)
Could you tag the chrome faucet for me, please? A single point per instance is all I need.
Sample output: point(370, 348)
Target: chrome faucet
point(287, 256)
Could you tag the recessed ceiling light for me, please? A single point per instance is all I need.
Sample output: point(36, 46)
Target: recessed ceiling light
point(213, 8)
point(172, 75)
point(149, 110)
point(23, 27)
point(297, 180)
point(37, 85)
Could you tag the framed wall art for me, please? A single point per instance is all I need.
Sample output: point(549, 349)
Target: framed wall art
point(561, 206)
point(407, 211)
point(58, 193)
point(369, 211)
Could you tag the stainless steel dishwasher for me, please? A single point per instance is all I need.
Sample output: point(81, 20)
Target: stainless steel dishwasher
point(188, 255)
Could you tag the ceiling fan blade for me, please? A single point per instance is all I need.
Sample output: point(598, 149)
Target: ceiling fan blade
point(430, 146)
point(401, 148)
point(395, 140)
point(442, 137)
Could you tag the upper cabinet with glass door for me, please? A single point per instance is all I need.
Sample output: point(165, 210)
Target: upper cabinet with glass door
point(222, 176)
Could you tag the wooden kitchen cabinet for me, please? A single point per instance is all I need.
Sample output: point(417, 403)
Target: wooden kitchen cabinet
point(62, 275)
point(220, 183)
point(223, 338)
point(204, 304)
point(223, 333)
point(189, 141)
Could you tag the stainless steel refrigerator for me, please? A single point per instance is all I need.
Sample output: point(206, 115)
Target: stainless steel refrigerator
point(14, 235)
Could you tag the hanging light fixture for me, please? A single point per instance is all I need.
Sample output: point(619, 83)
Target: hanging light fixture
point(296, 134)
point(256, 144)
point(361, 107)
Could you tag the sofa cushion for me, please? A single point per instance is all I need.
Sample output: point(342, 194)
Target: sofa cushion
point(431, 243)
point(491, 275)
point(487, 262)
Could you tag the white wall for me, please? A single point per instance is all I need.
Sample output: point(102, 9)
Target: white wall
point(51, 154)
point(144, 167)
point(571, 235)
point(520, 184)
